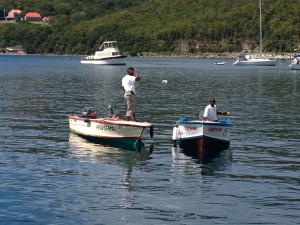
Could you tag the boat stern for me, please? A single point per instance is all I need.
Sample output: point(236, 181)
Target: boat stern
point(202, 134)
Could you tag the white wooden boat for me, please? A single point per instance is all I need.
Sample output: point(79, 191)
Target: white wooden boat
point(202, 137)
point(219, 63)
point(107, 54)
point(108, 130)
point(295, 64)
point(250, 60)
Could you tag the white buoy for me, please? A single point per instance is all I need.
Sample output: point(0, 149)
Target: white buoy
point(164, 81)
point(175, 135)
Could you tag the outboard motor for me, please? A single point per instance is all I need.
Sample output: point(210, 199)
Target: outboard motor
point(89, 113)
point(151, 131)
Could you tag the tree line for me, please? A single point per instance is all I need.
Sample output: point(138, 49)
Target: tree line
point(154, 26)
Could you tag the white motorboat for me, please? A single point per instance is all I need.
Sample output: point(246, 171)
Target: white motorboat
point(110, 130)
point(107, 54)
point(250, 60)
point(295, 64)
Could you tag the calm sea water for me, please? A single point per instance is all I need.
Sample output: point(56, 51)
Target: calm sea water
point(49, 176)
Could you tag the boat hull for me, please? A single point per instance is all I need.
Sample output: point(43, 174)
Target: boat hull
point(295, 67)
point(219, 63)
point(109, 130)
point(201, 137)
point(118, 60)
point(257, 62)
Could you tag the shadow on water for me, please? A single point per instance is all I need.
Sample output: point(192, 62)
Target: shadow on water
point(209, 163)
point(205, 155)
point(101, 153)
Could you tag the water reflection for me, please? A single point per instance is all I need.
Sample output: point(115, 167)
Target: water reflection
point(202, 154)
point(113, 156)
point(124, 155)
point(295, 84)
point(210, 164)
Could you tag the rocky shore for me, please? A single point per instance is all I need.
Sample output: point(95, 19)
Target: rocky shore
point(283, 56)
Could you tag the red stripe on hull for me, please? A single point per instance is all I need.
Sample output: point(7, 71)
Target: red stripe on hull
point(203, 148)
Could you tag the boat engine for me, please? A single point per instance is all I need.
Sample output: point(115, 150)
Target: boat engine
point(89, 112)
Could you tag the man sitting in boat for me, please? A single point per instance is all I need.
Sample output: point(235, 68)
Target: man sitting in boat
point(128, 82)
point(210, 112)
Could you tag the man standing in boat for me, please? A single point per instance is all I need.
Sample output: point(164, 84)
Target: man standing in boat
point(128, 83)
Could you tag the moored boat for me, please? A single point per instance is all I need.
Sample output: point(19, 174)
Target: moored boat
point(202, 137)
point(107, 54)
point(219, 63)
point(250, 60)
point(295, 64)
point(110, 130)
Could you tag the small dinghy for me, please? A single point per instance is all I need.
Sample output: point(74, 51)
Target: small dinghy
point(219, 63)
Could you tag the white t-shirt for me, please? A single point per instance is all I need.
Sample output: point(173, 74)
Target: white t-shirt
point(210, 112)
point(128, 83)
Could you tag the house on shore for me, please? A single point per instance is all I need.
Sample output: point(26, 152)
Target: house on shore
point(14, 14)
point(17, 49)
point(33, 17)
point(47, 19)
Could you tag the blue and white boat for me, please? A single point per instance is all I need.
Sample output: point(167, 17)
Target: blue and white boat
point(202, 136)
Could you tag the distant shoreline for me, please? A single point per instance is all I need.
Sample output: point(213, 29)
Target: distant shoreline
point(283, 56)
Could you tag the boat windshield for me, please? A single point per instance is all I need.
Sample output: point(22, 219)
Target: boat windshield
point(297, 56)
point(242, 56)
point(108, 45)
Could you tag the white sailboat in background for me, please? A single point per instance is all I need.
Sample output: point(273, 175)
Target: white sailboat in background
point(250, 60)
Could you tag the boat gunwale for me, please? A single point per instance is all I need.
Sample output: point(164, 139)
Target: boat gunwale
point(104, 58)
point(228, 123)
point(106, 137)
point(113, 122)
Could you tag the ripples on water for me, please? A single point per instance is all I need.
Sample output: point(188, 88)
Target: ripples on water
point(49, 176)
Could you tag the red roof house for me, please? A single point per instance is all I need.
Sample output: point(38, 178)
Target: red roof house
point(33, 16)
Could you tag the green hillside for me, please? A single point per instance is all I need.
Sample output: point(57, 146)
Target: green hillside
point(157, 26)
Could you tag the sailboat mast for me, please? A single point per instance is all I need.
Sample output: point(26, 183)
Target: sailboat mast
point(260, 28)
